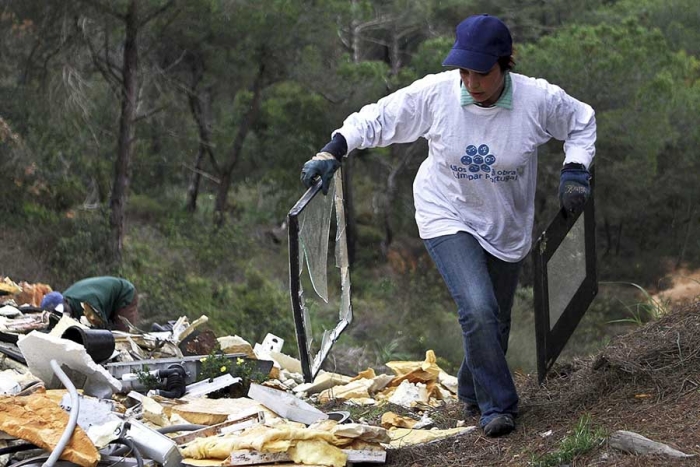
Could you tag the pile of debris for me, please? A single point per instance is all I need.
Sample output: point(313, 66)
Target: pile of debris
point(181, 396)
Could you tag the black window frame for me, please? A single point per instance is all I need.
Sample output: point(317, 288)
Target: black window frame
point(551, 340)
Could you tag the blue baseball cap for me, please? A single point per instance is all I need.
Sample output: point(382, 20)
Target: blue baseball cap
point(481, 41)
point(51, 300)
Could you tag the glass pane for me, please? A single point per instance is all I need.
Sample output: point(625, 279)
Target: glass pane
point(328, 274)
point(342, 261)
point(314, 229)
point(566, 270)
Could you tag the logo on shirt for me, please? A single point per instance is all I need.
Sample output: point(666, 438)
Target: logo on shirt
point(477, 165)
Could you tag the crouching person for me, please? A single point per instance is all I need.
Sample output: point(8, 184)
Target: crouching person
point(102, 300)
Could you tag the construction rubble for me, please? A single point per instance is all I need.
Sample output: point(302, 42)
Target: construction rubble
point(181, 396)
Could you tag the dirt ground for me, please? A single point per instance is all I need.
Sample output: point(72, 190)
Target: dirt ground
point(647, 381)
point(681, 286)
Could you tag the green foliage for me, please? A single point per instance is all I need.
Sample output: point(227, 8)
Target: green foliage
point(251, 308)
point(640, 89)
point(216, 364)
point(35, 213)
point(143, 207)
point(389, 351)
point(635, 61)
point(677, 19)
point(254, 308)
point(188, 267)
point(84, 250)
point(365, 73)
point(249, 371)
point(146, 378)
point(297, 117)
point(213, 365)
point(430, 54)
point(583, 439)
point(81, 250)
point(371, 413)
point(649, 309)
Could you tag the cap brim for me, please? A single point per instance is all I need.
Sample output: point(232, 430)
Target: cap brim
point(470, 60)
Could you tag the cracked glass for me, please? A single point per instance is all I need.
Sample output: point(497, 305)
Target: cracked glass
point(321, 291)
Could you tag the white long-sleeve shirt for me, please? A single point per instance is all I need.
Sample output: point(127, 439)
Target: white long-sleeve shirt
point(481, 170)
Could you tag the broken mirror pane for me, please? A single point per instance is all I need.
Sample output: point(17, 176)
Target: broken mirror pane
point(320, 291)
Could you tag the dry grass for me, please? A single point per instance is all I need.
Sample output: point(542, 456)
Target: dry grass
point(647, 381)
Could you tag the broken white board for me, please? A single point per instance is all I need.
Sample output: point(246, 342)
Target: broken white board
point(39, 349)
point(286, 405)
point(249, 457)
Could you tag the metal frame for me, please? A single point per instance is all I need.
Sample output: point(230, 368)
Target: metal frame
point(311, 364)
point(551, 339)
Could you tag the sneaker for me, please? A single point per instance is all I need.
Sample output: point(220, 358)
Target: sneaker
point(501, 425)
point(471, 410)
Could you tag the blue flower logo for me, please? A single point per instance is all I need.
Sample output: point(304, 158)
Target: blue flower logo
point(478, 158)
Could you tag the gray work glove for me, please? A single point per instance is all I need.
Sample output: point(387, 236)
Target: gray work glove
point(322, 165)
point(325, 163)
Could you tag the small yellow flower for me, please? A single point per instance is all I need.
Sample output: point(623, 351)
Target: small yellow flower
point(239, 361)
point(203, 359)
point(223, 369)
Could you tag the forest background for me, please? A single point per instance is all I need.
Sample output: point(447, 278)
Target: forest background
point(162, 140)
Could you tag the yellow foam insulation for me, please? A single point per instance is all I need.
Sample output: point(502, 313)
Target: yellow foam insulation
point(39, 420)
point(317, 452)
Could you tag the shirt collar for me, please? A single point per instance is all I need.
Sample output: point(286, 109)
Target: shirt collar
point(505, 101)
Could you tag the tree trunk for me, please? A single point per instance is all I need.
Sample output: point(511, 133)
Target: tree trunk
point(193, 187)
point(117, 202)
point(395, 52)
point(403, 158)
point(221, 198)
point(394, 152)
point(200, 106)
point(244, 128)
point(354, 36)
point(608, 237)
point(619, 239)
point(681, 256)
point(388, 201)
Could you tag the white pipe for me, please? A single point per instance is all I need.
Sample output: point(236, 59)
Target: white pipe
point(72, 421)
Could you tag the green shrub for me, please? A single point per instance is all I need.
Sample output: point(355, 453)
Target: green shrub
point(185, 267)
point(583, 439)
point(36, 214)
point(254, 308)
point(149, 209)
point(72, 247)
point(648, 309)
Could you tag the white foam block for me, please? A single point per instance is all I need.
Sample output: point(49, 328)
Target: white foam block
point(39, 349)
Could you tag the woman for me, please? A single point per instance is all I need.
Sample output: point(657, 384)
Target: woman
point(474, 193)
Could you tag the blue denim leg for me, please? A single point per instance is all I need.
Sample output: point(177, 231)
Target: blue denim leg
point(483, 288)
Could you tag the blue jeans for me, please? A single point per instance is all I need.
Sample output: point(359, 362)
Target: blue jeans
point(483, 288)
